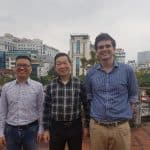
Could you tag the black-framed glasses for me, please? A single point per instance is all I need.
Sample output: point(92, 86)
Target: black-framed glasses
point(22, 65)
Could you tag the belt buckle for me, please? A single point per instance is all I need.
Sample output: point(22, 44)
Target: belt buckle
point(113, 124)
point(67, 124)
point(110, 124)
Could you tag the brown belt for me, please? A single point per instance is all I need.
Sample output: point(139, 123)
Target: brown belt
point(110, 124)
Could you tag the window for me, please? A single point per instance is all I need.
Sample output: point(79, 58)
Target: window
point(78, 47)
point(77, 66)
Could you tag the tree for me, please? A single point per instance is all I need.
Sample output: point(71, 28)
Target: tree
point(51, 75)
point(84, 63)
point(93, 59)
point(143, 78)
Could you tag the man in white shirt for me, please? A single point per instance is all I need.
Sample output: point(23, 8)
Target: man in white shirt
point(21, 108)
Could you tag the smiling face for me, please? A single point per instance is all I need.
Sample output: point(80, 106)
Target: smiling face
point(105, 50)
point(23, 69)
point(63, 66)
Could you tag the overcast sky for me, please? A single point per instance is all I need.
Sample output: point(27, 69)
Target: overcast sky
point(127, 21)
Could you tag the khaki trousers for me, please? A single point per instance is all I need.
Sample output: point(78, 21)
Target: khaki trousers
point(112, 138)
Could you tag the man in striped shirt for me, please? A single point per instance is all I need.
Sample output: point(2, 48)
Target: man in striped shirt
point(21, 109)
point(112, 91)
point(64, 99)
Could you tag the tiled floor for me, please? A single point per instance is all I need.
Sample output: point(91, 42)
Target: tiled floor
point(141, 137)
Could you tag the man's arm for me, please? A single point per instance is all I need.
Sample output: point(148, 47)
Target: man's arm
point(132, 86)
point(133, 91)
point(40, 107)
point(3, 111)
point(3, 114)
point(46, 115)
point(47, 109)
point(86, 105)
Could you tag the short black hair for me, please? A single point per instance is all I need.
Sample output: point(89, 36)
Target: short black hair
point(23, 57)
point(60, 55)
point(104, 37)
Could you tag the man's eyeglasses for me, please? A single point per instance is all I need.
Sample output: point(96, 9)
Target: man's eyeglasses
point(22, 66)
point(106, 46)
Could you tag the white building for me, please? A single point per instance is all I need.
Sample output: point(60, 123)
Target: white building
point(132, 63)
point(46, 63)
point(120, 55)
point(80, 46)
point(11, 57)
point(34, 48)
point(49, 51)
point(7, 42)
point(143, 58)
point(28, 44)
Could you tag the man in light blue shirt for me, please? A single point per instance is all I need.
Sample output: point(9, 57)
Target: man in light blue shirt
point(21, 109)
point(112, 91)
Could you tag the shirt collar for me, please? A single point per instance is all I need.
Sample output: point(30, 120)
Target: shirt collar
point(28, 81)
point(59, 80)
point(115, 65)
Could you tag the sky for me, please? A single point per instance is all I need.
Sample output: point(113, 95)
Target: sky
point(127, 21)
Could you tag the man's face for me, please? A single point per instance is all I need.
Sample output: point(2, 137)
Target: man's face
point(63, 66)
point(105, 50)
point(23, 68)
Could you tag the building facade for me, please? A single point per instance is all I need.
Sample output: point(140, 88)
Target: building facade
point(7, 42)
point(10, 57)
point(120, 55)
point(42, 54)
point(143, 58)
point(49, 51)
point(80, 46)
point(132, 63)
point(2, 60)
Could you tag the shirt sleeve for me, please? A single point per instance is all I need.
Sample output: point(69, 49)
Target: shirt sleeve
point(132, 86)
point(3, 111)
point(40, 107)
point(88, 86)
point(47, 109)
point(86, 106)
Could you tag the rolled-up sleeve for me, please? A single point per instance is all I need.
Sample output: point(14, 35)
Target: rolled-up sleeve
point(132, 86)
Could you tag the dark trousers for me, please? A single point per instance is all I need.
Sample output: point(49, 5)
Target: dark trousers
point(18, 138)
point(63, 132)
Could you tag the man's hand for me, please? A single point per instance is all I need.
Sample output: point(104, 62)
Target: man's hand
point(86, 133)
point(39, 137)
point(2, 140)
point(46, 136)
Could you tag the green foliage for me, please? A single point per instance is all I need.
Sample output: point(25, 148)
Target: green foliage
point(93, 59)
point(5, 79)
point(143, 78)
point(82, 77)
point(86, 63)
point(51, 75)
